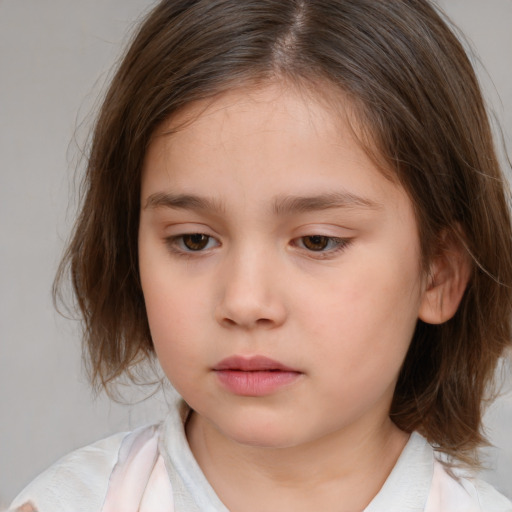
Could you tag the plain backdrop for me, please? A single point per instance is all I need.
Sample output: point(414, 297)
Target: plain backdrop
point(55, 57)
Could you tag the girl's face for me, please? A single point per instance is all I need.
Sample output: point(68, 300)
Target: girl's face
point(280, 269)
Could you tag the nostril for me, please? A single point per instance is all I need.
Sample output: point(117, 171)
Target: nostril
point(264, 322)
point(228, 322)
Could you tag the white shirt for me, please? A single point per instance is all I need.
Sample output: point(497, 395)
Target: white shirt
point(153, 470)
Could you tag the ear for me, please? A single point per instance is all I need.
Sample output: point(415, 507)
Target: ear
point(448, 277)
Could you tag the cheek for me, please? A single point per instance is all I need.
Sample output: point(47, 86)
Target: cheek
point(173, 324)
point(366, 298)
point(172, 317)
point(368, 316)
point(171, 300)
point(173, 312)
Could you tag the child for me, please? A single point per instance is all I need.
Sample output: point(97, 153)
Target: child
point(296, 206)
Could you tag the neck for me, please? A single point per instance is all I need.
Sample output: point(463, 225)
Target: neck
point(341, 472)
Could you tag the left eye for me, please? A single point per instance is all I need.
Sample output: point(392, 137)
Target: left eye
point(192, 242)
point(319, 243)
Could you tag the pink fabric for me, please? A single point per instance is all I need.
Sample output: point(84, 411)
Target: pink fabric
point(139, 481)
point(447, 493)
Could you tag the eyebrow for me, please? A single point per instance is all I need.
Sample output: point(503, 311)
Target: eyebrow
point(282, 205)
point(183, 202)
point(299, 204)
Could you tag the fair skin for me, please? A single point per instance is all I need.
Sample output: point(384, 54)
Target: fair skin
point(266, 231)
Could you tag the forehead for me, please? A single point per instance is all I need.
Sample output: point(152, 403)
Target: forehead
point(266, 140)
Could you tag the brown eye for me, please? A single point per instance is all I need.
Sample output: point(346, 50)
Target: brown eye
point(316, 242)
point(195, 241)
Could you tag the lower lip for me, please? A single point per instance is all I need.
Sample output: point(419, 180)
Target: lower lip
point(255, 383)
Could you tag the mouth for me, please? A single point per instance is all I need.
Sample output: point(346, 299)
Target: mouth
point(252, 364)
point(254, 376)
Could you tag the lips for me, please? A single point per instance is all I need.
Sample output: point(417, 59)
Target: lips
point(252, 364)
point(254, 376)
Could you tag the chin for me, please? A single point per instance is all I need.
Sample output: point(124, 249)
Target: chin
point(261, 434)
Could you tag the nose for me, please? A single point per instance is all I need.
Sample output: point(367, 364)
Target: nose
point(251, 293)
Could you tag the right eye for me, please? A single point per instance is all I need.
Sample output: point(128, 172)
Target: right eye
point(195, 241)
point(191, 242)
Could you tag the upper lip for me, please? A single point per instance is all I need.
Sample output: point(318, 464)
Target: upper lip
point(252, 364)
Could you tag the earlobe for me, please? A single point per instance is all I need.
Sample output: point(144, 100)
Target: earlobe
point(449, 275)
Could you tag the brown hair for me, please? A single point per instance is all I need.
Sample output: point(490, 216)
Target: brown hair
point(416, 95)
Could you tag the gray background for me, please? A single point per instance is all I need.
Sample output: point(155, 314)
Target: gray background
point(55, 57)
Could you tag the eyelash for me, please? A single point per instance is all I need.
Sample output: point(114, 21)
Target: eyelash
point(176, 244)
